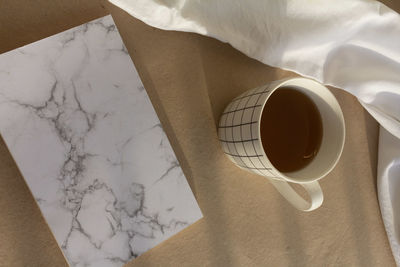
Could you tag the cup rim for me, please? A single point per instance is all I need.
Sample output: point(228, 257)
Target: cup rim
point(293, 81)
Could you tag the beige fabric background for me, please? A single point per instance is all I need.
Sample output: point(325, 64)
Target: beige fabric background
point(190, 79)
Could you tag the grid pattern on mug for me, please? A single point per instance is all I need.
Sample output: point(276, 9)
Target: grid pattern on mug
point(238, 131)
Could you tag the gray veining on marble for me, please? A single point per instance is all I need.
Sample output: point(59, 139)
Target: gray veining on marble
point(84, 134)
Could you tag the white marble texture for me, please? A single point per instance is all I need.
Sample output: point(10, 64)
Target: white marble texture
point(85, 136)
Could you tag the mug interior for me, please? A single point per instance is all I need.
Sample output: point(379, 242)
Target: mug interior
point(333, 131)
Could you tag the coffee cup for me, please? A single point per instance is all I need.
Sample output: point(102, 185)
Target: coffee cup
point(289, 131)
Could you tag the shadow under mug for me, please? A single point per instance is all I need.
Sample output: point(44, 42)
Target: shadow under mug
point(239, 134)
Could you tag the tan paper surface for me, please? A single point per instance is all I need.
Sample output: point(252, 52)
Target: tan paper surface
point(246, 222)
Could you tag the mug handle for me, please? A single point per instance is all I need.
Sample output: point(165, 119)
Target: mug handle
point(313, 189)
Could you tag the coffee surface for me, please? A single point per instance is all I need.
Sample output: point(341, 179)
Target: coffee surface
point(291, 129)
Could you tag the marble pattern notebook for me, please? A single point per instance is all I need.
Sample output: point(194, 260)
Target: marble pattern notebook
point(81, 128)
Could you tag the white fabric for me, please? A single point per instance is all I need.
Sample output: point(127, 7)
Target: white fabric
point(354, 45)
point(389, 187)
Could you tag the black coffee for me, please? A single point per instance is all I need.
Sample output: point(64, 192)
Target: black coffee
point(291, 129)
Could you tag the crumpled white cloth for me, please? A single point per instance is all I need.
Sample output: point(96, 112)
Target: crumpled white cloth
point(353, 45)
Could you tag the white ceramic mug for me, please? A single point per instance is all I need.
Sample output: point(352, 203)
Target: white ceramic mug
point(239, 134)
